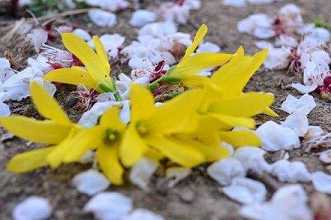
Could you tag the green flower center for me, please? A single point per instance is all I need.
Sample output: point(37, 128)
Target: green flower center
point(141, 128)
point(112, 135)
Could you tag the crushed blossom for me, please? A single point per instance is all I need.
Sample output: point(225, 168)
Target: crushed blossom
point(158, 71)
point(278, 26)
point(58, 58)
point(180, 2)
point(295, 64)
point(325, 89)
point(86, 98)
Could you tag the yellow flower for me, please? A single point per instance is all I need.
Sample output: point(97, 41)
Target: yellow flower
point(231, 79)
point(56, 131)
point(191, 64)
point(96, 73)
point(155, 127)
point(105, 138)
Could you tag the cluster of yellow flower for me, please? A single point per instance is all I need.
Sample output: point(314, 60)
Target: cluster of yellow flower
point(188, 130)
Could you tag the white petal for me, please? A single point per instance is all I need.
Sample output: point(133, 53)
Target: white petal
point(142, 172)
point(109, 206)
point(4, 109)
point(298, 122)
point(38, 37)
point(322, 182)
point(143, 214)
point(291, 172)
point(83, 34)
point(259, 25)
point(102, 18)
point(32, 208)
point(90, 118)
point(252, 159)
point(141, 17)
point(325, 156)
point(278, 58)
point(303, 89)
point(288, 203)
point(276, 137)
point(109, 5)
point(90, 182)
point(286, 41)
point(246, 191)
point(235, 3)
point(224, 171)
point(305, 104)
point(208, 47)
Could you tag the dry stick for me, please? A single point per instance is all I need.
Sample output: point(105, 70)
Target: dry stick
point(269, 181)
point(49, 18)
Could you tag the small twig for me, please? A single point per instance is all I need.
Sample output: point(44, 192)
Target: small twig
point(269, 181)
point(50, 18)
point(33, 16)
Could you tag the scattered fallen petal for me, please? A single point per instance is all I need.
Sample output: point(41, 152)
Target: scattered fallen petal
point(252, 158)
point(224, 171)
point(305, 104)
point(142, 17)
point(143, 214)
point(32, 208)
point(102, 18)
point(142, 172)
point(109, 206)
point(291, 172)
point(288, 203)
point(276, 137)
point(322, 182)
point(246, 191)
point(90, 182)
point(325, 156)
point(83, 34)
point(298, 122)
point(303, 89)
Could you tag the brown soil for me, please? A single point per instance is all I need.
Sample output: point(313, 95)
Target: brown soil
point(197, 197)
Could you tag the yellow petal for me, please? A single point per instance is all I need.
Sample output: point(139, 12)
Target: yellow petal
point(56, 157)
point(95, 67)
point(199, 36)
point(195, 64)
point(240, 138)
point(132, 147)
point(234, 121)
point(270, 112)
point(142, 103)
point(178, 114)
point(46, 132)
point(196, 81)
point(83, 141)
point(46, 105)
point(233, 77)
point(111, 119)
point(29, 161)
point(73, 75)
point(212, 152)
point(107, 157)
point(226, 71)
point(101, 52)
point(241, 79)
point(246, 105)
point(177, 151)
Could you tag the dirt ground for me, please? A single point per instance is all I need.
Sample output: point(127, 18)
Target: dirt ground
point(197, 197)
